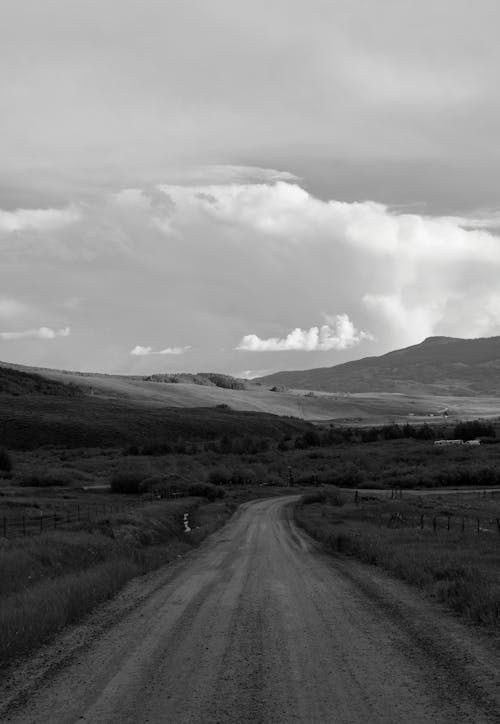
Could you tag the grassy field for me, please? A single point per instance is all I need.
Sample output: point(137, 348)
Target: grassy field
point(51, 580)
point(57, 576)
point(36, 420)
point(65, 566)
point(362, 408)
point(458, 567)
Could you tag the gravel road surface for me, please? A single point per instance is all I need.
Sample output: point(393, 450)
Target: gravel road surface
point(258, 625)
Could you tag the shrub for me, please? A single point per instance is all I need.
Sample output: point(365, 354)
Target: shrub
point(310, 498)
point(152, 482)
point(128, 483)
point(205, 490)
point(330, 497)
point(44, 479)
point(5, 461)
point(219, 476)
point(472, 429)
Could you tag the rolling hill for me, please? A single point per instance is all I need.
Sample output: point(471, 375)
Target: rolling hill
point(18, 382)
point(415, 384)
point(437, 366)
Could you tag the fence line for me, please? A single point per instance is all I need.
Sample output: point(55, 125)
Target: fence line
point(24, 525)
point(437, 521)
point(450, 523)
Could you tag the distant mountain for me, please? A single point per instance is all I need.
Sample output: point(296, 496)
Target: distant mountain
point(438, 365)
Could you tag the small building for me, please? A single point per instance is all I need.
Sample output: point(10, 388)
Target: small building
point(473, 442)
point(448, 442)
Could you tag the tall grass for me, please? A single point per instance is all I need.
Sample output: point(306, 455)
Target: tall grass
point(55, 579)
point(459, 570)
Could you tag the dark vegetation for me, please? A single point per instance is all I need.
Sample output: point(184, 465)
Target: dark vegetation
point(54, 579)
point(87, 421)
point(5, 461)
point(454, 563)
point(15, 382)
point(209, 379)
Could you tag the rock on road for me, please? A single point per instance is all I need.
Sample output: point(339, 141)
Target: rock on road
point(258, 625)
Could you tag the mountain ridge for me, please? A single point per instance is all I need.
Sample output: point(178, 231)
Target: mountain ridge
point(438, 365)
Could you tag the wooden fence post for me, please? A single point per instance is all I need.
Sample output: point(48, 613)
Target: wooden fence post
point(498, 525)
point(24, 525)
point(434, 524)
point(477, 521)
point(422, 521)
point(41, 522)
point(55, 520)
point(4, 527)
point(448, 523)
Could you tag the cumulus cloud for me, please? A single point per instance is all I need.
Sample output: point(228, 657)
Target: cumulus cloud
point(175, 350)
point(37, 219)
point(339, 334)
point(40, 333)
point(140, 351)
point(225, 259)
point(404, 275)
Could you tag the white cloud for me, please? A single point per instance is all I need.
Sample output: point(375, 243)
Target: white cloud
point(37, 219)
point(140, 351)
point(252, 374)
point(40, 333)
point(265, 258)
point(339, 334)
point(175, 350)
point(410, 323)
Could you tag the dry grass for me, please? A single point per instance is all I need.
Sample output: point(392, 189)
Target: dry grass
point(461, 570)
point(52, 580)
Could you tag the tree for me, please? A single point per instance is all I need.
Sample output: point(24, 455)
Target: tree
point(5, 460)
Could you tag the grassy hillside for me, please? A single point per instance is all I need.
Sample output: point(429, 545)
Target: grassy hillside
point(18, 382)
point(439, 365)
point(88, 421)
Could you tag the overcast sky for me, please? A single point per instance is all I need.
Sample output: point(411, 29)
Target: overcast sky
point(245, 186)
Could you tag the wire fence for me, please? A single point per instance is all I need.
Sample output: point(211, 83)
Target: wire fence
point(448, 523)
point(69, 516)
point(436, 522)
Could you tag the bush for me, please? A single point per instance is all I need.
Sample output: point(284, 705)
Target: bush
point(5, 461)
point(310, 498)
point(330, 497)
point(44, 479)
point(219, 476)
point(473, 429)
point(128, 483)
point(153, 482)
point(205, 490)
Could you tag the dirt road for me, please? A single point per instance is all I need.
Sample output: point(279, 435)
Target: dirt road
point(259, 626)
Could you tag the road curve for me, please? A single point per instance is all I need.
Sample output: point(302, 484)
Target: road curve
point(259, 626)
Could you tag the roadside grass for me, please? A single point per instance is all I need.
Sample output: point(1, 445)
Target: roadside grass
point(54, 579)
point(458, 569)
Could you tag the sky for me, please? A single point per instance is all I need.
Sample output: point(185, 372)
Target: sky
point(219, 185)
